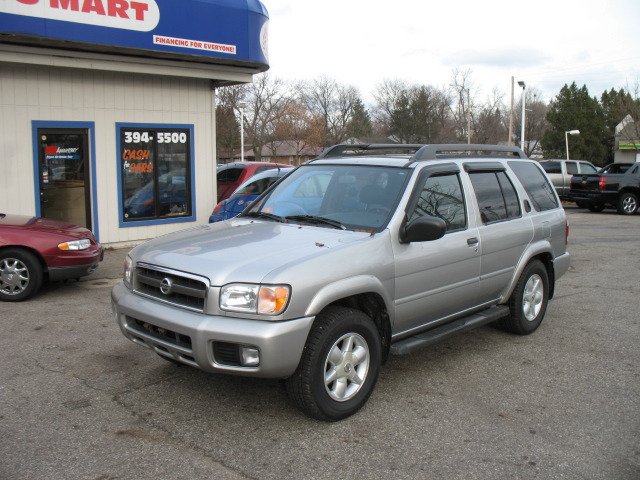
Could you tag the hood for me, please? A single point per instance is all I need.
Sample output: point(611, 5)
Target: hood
point(242, 250)
point(40, 224)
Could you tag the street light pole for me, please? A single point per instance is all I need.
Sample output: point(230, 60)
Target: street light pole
point(241, 108)
point(522, 84)
point(566, 138)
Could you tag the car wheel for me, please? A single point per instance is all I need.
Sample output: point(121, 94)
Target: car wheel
point(528, 302)
point(339, 365)
point(596, 207)
point(628, 203)
point(20, 275)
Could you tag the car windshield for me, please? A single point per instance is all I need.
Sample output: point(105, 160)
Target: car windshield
point(259, 183)
point(358, 197)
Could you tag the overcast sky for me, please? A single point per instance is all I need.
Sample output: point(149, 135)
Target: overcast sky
point(545, 43)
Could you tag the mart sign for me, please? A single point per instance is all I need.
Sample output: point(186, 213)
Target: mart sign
point(139, 15)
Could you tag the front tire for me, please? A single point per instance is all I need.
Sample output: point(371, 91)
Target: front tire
point(528, 302)
point(20, 275)
point(628, 203)
point(339, 365)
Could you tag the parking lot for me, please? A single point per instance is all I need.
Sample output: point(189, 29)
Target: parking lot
point(79, 401)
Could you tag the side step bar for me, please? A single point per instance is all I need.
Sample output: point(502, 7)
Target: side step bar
point(445, 331)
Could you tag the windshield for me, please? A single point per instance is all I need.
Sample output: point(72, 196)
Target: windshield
point(335, 196)
point(259, 183)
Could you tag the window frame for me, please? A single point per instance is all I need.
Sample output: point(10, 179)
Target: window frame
point(189, 176)
point(432, 171)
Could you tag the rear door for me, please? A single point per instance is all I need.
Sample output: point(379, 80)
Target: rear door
point(503, 230)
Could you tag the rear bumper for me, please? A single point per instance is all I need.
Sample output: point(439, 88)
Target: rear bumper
point(561, 264)
point(595, 197)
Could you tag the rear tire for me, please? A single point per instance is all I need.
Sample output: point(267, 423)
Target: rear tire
point(339, 365)
point(596, 207)
point(627, 203)
point(528, 302)
point(20, 275)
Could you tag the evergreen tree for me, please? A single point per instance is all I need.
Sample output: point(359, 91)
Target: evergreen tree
point(360, 124)
point(574, 109)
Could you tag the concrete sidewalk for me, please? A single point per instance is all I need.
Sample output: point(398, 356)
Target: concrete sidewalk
point(109, 269)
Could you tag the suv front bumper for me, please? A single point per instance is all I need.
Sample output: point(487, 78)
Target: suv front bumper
point(207, 342)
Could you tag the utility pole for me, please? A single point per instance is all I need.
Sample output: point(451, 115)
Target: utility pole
point(510, 140)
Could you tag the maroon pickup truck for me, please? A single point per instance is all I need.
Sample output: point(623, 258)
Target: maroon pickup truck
point(616, 186)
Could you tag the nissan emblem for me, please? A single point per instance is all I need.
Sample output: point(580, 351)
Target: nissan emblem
point(166, 285)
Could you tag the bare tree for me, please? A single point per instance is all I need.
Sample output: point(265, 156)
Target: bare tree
point(489, 125)
point(267, 101)
point(333, 104)
point(461, 110)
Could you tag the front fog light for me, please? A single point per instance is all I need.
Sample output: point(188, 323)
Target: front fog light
point(250, 356)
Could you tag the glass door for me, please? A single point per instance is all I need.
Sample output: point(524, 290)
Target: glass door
point(65, 192)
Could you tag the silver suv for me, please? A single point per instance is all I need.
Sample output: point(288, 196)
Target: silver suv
point(365, 251)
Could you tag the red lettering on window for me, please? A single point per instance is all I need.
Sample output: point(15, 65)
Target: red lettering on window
point(29, 2)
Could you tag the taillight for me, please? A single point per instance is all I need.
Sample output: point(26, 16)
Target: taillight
point(602, 183)
point(566, 234)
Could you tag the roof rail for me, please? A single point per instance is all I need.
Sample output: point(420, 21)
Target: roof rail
point(431, 152)
point(419, 151)
point(364, 149)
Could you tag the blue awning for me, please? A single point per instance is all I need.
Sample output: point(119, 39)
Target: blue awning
point(228, 32)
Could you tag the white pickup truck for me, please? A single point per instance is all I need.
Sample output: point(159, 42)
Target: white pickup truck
point(561, 171)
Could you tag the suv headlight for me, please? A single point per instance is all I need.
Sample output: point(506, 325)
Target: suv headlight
point(83, 244)
point(128, 271)
point(256, 299)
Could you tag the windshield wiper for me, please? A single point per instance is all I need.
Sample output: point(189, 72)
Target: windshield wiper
point(316, 219)
point(269, 216)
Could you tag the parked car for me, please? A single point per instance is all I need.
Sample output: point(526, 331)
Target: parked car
point(246, 193)
point(232, 175)
point(172, 194)
point(365, 251)
point(560, 172)
point(35, 249)
point(616, 186)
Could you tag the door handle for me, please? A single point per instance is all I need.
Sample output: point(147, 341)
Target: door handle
point(472, 241)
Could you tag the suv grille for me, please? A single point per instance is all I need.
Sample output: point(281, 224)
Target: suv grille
point(170, 286)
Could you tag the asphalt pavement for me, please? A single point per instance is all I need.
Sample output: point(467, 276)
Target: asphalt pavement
point(79, 401)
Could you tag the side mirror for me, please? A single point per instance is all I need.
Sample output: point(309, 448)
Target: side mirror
point(423, 229)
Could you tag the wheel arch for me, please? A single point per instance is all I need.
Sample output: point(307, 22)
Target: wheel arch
point(34, 252)
point(363, 293)
point(545, 256)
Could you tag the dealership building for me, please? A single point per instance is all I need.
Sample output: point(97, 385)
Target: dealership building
point(108, 108)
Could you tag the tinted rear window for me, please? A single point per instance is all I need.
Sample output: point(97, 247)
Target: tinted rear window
point(551, 167)
point(229, 175)
point(540, 191)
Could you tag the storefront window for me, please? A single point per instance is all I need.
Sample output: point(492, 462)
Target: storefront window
point(156, 172)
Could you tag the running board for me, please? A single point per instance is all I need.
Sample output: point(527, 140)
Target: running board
point(443, 332)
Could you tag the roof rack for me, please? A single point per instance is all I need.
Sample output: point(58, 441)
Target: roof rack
point(431, 152)
point(419, 151)
point(344, 150)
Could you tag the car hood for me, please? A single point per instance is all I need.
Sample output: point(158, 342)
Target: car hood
point(242, 250)
point(24, 222)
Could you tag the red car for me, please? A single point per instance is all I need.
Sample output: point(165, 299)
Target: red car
point(34, 249)
point(232, 175)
